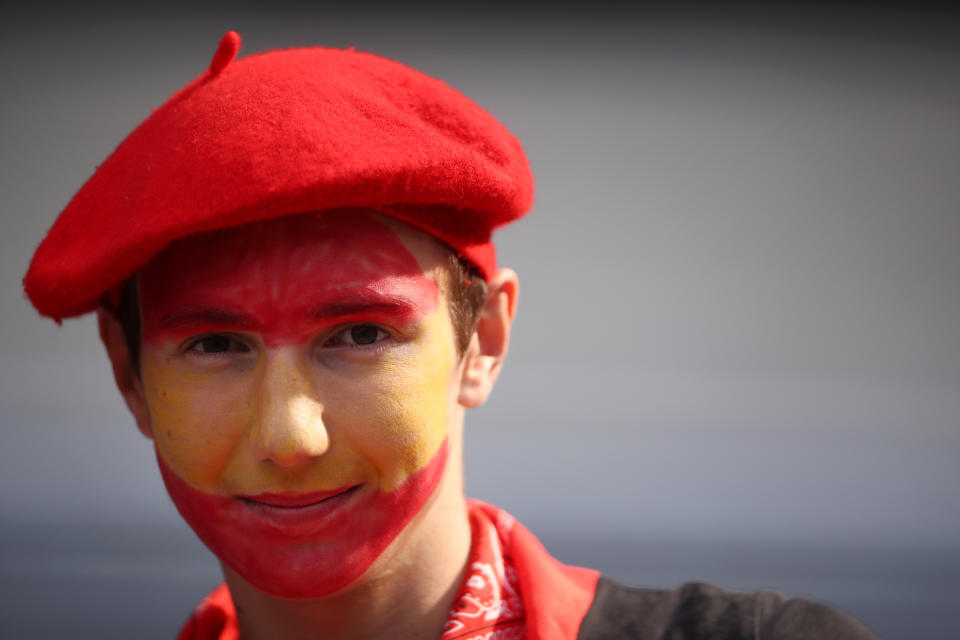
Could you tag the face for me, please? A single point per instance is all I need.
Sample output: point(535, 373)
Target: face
point(300, 376)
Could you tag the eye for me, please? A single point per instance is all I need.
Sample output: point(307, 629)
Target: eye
point(359, 335)
point(217, 344)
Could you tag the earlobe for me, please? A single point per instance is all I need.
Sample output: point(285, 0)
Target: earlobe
point(128, 382)
point(488, 347)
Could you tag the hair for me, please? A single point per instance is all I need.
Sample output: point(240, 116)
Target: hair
point(466, 292)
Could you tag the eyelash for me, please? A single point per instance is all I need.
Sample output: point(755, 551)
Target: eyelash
point(232, 342)
point(382, 337)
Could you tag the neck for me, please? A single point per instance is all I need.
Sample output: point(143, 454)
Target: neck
point(406, 593)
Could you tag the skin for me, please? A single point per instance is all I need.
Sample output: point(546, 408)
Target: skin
point(300, 381)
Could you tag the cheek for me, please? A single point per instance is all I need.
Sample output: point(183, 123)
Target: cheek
point(404, 410)
point(196, 424)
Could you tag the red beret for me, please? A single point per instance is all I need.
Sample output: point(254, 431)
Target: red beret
point(281, 133)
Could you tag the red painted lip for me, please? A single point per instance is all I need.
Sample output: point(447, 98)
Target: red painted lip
point(296, 500)
point(298, 515)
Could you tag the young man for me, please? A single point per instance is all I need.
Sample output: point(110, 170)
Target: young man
point(292, 269)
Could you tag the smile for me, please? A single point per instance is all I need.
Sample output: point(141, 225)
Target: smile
point(298, 515)
point(296, 500)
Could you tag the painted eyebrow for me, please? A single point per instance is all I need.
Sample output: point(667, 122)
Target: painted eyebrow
point(379, 304)
point(193, 316)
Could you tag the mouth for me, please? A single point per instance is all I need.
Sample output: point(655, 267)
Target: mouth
point(298, 515)
point(297, 500)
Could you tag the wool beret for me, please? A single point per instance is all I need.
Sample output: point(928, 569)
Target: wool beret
point(281, 133)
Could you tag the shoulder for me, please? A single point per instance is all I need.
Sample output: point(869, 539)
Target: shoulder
point(705, 612)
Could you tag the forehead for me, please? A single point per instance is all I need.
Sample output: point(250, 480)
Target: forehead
point(334, 251)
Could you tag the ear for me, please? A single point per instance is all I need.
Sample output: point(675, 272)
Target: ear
point(488, 346)
point(128, 382)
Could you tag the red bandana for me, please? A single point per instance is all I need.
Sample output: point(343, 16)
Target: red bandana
point(513, 590)
point(489, 604)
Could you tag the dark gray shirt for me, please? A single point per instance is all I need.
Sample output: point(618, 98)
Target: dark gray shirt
point(699, 611)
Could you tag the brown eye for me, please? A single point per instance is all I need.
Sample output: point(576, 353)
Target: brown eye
point(359, 335)
point(217, 344)
point(364, 334)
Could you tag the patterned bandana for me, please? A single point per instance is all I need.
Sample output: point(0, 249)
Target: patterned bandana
point(489, 605)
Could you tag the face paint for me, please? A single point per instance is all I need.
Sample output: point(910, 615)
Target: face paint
point(308, 551)
point(296, 454)
point(273, 277)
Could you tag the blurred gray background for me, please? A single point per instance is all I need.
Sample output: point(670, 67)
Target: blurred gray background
point(737, 357)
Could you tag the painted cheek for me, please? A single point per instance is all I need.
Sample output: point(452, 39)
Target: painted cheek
point(197, 419)
point(407, 416)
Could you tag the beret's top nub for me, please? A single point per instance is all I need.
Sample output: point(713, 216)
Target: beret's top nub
point(225, 53)
point(276, 134)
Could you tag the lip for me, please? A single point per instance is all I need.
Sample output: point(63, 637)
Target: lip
point(298, 515)
point(295, 500)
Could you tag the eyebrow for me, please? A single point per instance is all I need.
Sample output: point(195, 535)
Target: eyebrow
point(370, 303)
point(378, 304)
point(193, 316)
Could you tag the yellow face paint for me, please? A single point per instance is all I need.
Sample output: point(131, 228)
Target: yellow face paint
point(216, 426)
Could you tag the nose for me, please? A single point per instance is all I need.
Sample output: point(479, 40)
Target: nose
point(289, 428)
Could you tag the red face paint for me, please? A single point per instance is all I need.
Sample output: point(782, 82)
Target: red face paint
point(283, 278)
point(297, 460)
point(308, 552)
